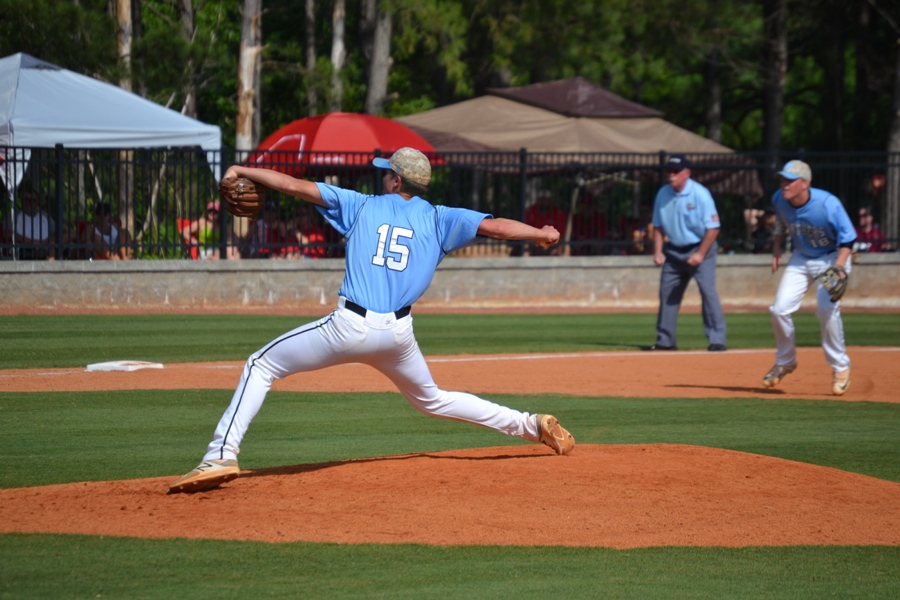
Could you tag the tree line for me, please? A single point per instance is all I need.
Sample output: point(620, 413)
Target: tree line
point(755, 75)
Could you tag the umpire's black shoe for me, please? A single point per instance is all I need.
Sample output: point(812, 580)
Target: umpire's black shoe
point(656, 347)
point(716, 348)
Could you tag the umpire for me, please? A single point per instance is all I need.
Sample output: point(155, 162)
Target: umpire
point(684, 212)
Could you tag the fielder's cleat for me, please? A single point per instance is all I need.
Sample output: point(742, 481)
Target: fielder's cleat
point(206, 475)
point(841, 382)
point(553, 434)
point(777, 373)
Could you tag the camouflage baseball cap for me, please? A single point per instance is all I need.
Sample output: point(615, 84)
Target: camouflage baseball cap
point(408, 163)
point(796, 169)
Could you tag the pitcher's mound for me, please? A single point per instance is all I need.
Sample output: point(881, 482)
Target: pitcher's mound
point(614, 496)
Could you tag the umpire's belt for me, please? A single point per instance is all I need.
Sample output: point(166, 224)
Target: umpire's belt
point(683, 249)
point(362, 312)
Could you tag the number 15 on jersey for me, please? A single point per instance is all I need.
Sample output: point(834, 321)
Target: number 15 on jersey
point(396, 246)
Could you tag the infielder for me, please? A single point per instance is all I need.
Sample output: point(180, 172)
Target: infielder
point(822, 235)
point(394, 244)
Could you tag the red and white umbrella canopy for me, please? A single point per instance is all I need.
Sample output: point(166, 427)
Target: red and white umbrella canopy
point(334, 139)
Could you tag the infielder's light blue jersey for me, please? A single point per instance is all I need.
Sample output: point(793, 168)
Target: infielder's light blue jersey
point(393, 245)
point(818, 227)
point(685, 216)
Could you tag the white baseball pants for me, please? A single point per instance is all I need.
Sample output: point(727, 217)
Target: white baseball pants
point(379, 340)
point(799, 274)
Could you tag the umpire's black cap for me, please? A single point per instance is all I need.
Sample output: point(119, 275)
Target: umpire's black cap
point(678, 162)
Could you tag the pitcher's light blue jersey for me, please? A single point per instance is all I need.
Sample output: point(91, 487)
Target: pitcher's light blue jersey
point(393, 245)
point(818, 227)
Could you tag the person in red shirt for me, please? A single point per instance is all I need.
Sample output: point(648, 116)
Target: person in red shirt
point(868, 236)
point(546, 213)
point(309, 236)
point(270, 239)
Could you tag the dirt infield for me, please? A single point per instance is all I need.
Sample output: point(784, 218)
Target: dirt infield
point(602, 495)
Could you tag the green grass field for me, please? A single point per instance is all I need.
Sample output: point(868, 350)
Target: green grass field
point(67, 437)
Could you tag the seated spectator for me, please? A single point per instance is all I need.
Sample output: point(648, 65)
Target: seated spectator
point(752, 217)
point(593, 233)
point(642, 232)
point(868, 236)
point(35, 231)
point(545, 212)
point(309, 236)
point(270, 238)
point(763, 235)
point(103, 239)
point(205, 233)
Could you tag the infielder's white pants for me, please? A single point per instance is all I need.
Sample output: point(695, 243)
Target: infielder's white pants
point(380, 340)
point(799, 274)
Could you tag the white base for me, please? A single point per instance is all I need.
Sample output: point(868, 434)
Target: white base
point(124, 365)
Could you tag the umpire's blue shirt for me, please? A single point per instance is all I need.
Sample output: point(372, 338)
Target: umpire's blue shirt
point(685, 216)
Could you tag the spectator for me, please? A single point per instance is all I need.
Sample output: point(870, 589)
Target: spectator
point(642, 232)
point(270, 239)
point(545, 212)
point(103, 239)
point(868, 236)
point(35, 231)
point(309, 236)
point(205, 233)
point(764, 235)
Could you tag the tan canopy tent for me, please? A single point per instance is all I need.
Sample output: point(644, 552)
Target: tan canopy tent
point(495, 123)
point(573, 116)
point(570, 115)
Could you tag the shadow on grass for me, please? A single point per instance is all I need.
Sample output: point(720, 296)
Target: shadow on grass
point(728, 388)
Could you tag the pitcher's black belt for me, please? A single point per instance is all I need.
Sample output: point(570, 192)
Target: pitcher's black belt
point(362, 312)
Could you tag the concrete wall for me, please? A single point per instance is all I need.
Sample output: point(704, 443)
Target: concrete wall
point(744, 281)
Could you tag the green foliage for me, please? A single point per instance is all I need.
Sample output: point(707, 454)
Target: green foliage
point(162, 241)
point(839, 88)
point(162, 54)
point(75, 36)
point(166, 59)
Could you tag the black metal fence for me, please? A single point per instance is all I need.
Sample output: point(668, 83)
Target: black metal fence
point(65, 203)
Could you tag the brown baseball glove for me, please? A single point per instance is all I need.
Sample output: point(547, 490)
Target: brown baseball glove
point(242, 197)
point(834, 279)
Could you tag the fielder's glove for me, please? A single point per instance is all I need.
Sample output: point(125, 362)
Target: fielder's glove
point(834, 279)
point(242, 197)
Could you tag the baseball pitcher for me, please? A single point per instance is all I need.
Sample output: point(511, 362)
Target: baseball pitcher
point(394, 244)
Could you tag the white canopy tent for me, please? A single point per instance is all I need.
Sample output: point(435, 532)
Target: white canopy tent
point(42, 105)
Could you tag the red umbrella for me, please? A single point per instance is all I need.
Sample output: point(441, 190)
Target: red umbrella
point(334, 139)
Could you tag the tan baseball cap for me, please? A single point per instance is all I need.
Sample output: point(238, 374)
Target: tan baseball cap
point(796, 169)
point(408, 163)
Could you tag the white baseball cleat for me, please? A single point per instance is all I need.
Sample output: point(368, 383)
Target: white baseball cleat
point(206, 475)
point(840, 382)
point(553, 434)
